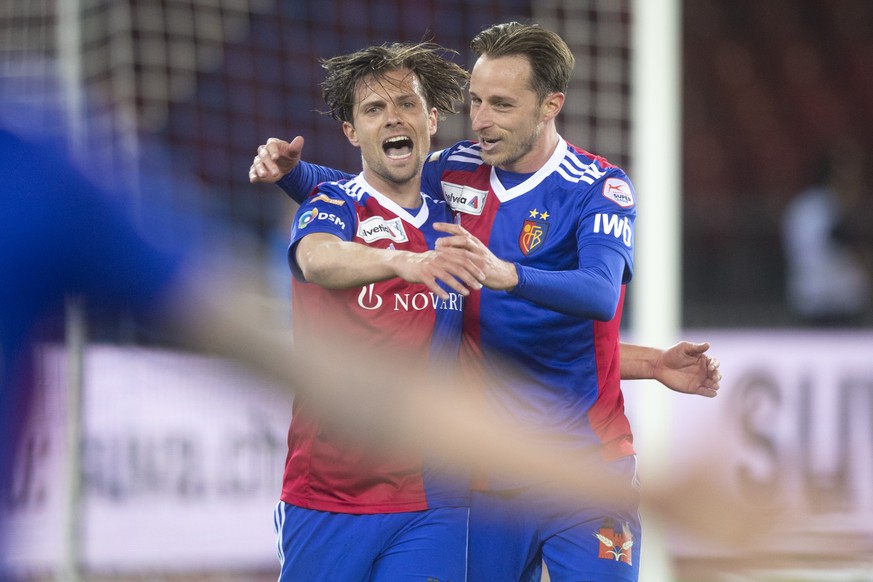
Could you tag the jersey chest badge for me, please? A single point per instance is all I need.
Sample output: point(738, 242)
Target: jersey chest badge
point(533, 232)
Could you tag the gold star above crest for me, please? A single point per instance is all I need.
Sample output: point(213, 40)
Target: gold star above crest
point(544, 215)
point(533, 213)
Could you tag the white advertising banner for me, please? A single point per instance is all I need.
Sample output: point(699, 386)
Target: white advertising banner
point(183, 455)
point(791, 429)
point(182, 460)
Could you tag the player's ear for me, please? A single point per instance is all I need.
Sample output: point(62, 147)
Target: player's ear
point(432, 120)
point(351, 134)
point(552, 105)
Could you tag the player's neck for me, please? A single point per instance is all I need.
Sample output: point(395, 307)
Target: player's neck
point(406, 194)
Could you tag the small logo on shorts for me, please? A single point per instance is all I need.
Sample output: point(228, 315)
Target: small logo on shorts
point(615, 545)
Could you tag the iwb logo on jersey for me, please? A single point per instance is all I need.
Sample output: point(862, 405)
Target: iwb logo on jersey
point(619, 191)
point(464, 199)
point(617, 226)
point(311, 215)
point(377, 228)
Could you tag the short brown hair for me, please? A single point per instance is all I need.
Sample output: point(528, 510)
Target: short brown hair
point(442, 81)
point(550, 58)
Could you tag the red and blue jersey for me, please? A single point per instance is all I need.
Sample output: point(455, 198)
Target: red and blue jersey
point(554, 358)
point(393, 317)
point(553, 367)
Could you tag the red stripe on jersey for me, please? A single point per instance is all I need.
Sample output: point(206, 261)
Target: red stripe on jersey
point(601, 161)
point(480, 227)
point(607, 417)
point(471, 356)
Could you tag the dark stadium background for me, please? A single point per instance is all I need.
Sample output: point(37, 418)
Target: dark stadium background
point(766, 84)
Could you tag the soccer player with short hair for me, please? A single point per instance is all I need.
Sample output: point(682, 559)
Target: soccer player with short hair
point(561, 219)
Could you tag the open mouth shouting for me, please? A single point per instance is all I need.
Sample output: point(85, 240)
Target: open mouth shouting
point(398, 147)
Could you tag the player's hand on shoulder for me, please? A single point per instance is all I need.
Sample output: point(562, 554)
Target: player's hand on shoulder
point(452, 267)
point(274, 159)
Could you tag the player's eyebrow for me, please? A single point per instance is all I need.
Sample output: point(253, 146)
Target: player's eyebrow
point(376, 99)
point(493, 98)
point(373, 99)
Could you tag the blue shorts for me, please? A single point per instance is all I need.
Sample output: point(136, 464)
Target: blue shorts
point(513, 532)
point(420, 546)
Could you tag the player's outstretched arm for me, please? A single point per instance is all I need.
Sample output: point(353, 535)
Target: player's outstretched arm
point(279, 162)
point(591, 291)
point(330, 262)
point(684, 367)
point(275, 158)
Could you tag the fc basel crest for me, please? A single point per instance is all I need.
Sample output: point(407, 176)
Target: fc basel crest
point(615, 543)
point(533, 232)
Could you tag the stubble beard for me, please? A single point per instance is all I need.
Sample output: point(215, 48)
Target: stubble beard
point(513, 154)
point(397, 176)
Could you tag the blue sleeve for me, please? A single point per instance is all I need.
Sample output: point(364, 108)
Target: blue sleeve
point(302, 180)
point(592, 291)
point(332, 212)
point(73, 237)
point(431, 174)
